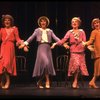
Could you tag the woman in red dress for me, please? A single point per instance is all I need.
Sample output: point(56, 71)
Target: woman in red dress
point(8, 35)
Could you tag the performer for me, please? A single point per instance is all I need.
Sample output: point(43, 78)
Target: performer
point(44, 63)
point(8, 35)
point(77, 56)
point(95, 41)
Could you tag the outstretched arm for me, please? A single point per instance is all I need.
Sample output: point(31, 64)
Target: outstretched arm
point(53, 45)
point(91, 48)
point(24, 45)
point(66, 45)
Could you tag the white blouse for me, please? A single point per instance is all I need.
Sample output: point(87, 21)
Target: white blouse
point(44, 35)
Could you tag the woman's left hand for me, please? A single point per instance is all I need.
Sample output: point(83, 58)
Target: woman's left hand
point(26, 49)
point(53, 45)
point(66, 45)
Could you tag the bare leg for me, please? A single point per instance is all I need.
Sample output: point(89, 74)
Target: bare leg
point(92, 83)
point(39, 83)
point(47, 81)
point(7, 79)
point(75, 82)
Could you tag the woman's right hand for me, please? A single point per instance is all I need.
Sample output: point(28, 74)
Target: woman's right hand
point(91, 48)
point(21, 46)
point(26, 48)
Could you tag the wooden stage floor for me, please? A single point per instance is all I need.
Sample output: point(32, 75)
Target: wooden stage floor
point(29, 90)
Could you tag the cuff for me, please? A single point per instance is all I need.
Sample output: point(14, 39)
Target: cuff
point(26, 43)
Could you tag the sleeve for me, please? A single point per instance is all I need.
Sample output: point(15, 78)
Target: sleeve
point(92, 38)
point(63, 40)
point(17, 38)
point(32, 36)
point(83, 36)
point(55, 37)
point(16, 32)
point(26, 43)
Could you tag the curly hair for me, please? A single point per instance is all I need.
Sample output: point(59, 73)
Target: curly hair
point(7, 16)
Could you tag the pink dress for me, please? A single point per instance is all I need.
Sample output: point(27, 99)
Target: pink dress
point(8, 58)
point(77, 55)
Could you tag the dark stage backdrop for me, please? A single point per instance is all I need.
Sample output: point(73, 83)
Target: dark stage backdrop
point(60, 14)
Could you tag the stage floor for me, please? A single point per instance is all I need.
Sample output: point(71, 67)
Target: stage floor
point(29, 90)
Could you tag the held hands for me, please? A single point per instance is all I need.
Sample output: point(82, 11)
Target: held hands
point(66, 45)
point(19, 43)
point(24, 47)
point(83, 43)
point(21, 46)
point(91, 48)
point(53, 45)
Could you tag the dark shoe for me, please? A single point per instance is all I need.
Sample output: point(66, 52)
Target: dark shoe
point(39, 85)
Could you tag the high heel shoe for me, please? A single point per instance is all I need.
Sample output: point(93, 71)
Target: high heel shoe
point(5, 84)
point(75, 87)
point(47, 85)
point(5, 87)
point(93, 85)
point(39, 85)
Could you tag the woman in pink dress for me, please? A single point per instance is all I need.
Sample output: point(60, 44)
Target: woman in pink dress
point(8, 35)
point(77, 56)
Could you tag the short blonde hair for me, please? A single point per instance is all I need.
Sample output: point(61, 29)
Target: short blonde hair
point(78, 19)
point(93, 21)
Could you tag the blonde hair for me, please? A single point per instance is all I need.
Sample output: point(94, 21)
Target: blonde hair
point(93, 21)
point(78, 19)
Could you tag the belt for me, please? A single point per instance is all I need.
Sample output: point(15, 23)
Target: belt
point(43, 43)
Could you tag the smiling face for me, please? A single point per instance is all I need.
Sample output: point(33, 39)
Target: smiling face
point(96, 24)
point(75, 22)
point(43, 23)
point(7, 22)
